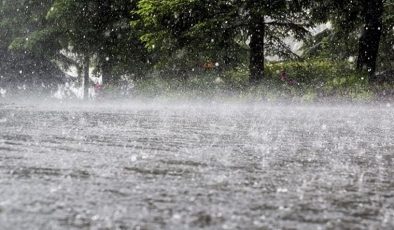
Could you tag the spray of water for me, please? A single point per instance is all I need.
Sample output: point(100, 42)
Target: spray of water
point(177, 164)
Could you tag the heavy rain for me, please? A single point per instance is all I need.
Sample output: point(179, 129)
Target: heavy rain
point(190, 114)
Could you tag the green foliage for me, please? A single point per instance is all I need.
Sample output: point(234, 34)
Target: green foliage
point(217, 31)
point(189, 30)
point(386, 52)
point(321, 76)
point(99, 29)
point(23, 27)
point(317, 79)
point(341, 41)
point(38, 43)
point(197, 45)
point(78, 22)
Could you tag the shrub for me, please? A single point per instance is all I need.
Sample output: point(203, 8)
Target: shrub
point(314, 79)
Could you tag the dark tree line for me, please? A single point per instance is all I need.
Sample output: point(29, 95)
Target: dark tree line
point(123, 37)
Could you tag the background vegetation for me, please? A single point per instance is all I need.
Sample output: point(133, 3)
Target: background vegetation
point(202, 47)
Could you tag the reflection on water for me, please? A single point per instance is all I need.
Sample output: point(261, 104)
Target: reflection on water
point(198, 166)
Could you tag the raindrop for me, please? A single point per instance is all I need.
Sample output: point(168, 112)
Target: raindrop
point(95, 218)
point(176, 217)
point(282, 190)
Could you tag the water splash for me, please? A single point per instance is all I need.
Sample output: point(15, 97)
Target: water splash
point(3, 92)
point(182, 165)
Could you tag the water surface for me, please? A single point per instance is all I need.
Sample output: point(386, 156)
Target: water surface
point(190, 166)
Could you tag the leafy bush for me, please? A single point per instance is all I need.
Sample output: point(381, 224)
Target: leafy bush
point(321, 78)
point(312, 80)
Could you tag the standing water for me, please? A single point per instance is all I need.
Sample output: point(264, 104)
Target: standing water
point(212, 166)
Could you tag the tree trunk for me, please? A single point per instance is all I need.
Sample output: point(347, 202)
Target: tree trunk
point(106, 73)
point(104, 12)
point(369, 41)
point(86, 81)
point(257, 31)
point(79, 73)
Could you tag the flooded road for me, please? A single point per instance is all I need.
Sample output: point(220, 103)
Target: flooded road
point(211, 166)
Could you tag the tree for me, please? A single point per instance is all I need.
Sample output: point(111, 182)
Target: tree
point(78, 22)
point(372, 14)
point(100, 32)
point(386, 54)
point(97, 32)
point(200, 25)
point(358, 29)
point(27, 45)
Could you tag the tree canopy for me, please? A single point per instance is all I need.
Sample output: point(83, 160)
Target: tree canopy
point(223, 31)
point(136, 37)
point(360, 29)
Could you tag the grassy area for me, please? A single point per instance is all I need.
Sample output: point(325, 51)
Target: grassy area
point(311, 80)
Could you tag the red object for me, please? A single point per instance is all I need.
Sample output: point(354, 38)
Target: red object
point(98, 87)
point(208, 65)
point(283, 76)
